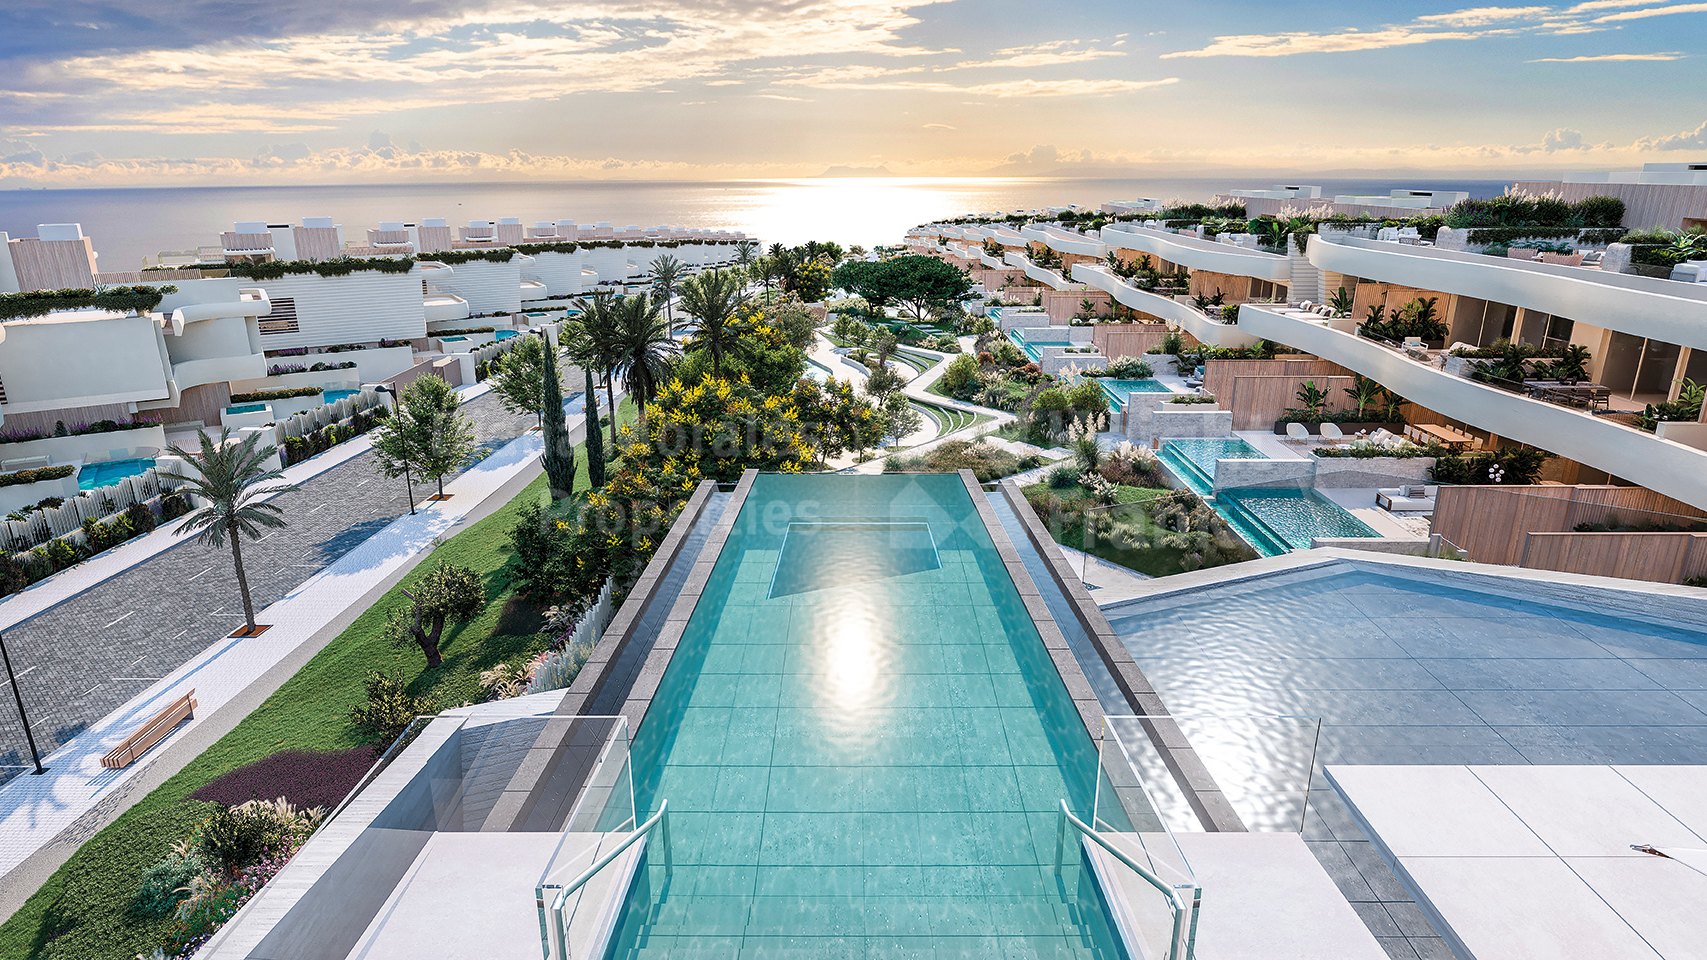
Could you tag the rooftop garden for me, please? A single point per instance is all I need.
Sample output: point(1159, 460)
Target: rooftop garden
point(1115, 505)
point(339, 267)
point(40, 303)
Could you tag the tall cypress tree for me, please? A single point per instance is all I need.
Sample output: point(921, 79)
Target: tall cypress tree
point(595, 442)
point(559, 451)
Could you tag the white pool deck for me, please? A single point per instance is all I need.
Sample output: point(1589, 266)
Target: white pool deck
point(1265, 897)
point(1534, 862)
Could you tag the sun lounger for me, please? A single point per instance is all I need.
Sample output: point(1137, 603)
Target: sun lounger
point(1414, 498)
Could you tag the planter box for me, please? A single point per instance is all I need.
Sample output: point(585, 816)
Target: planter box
point(20, 495)
point(1366, 472)
point(148, 439)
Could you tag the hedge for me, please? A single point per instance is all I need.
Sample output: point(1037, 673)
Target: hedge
point(275, 394)
point(342, 266)
point(1594, 236)
point(495, 255)
point(60, 430)
point(40, 303)
point(37, 475)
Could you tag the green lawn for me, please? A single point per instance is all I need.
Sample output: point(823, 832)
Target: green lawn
point(83, 911)
point(1157, 561)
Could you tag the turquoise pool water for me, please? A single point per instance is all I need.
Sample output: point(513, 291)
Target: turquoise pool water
point(1290, 518)
point(1119, 390)
point(503, 335)
point(1193, 458)
point(333, 396)
point(1032, 348)
point(93, 476)
point(863, 743)
point(255, 407)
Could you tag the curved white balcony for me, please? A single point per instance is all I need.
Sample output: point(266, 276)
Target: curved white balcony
point(1666, 310)
point(1196, 253)
point(993, 263)
point(444, 306)
point(1066, 241)
point(434, 270)
point(1008, 237)
point(1664, 465)
point(1167, 309)
point(534, 290)
point(1050, 278)
point(196, 373)
point(250, 302)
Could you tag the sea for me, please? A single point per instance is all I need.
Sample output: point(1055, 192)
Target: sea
point(131, 224)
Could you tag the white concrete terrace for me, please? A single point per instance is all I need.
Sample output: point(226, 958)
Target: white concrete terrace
point(1637, 456)
point(1167, 309)
point(1196, 253)
point(1659, 309)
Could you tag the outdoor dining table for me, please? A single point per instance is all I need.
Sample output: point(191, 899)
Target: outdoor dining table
point(1443, 435)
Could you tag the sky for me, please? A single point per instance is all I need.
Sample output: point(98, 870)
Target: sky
point(103, 93)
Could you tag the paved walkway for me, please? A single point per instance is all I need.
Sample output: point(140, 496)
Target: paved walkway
point(42, 814)
point(92, 638)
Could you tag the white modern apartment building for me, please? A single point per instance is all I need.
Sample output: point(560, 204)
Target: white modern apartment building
point(1646, 336)
point(271, 301)
point(84, 365)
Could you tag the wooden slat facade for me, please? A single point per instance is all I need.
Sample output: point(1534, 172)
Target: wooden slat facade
point(1497, 524)
point(1128, 339)
point(1657, 557)
point(1259, 391)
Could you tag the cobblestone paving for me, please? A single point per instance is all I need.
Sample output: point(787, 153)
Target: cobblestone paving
point(82, 659)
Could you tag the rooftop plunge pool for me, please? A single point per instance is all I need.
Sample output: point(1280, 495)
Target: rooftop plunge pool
point(863, 744)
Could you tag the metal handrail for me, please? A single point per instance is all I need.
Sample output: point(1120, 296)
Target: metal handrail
point(600, 864)
point(1179, 948)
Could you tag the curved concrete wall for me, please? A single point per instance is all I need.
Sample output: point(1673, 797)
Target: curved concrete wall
point(1196, 254)
point(1165, 308)
point(1667, 310)
point(1663, 465)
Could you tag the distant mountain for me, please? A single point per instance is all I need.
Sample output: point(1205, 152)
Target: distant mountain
point(844, 171)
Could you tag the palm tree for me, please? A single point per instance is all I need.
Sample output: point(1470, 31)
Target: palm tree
point(592, 343)
point(644, 347)
point(226, 477)
point(712, 299)
point(666, 281)
point(745, 251)
point(764, 271)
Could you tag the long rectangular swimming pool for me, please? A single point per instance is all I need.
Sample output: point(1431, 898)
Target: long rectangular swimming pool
point(863, 743)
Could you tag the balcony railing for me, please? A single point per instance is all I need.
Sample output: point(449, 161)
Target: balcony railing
point(1667, 310)
point(1624, 451)
point(1182, 314)
point(1199, 254)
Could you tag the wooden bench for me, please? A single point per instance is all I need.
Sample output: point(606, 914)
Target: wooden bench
point(151, 733)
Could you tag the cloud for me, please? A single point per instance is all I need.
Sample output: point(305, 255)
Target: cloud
point(782, 96)
point(1615, 58)
point(1482, 16)
point(1686, 140)
point(1562, 139)
point(1471, 23)
point(1665, 11)
point(940, 126)
point(304, 73)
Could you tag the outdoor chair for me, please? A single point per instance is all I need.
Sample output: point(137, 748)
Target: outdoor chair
point(1297, 433)
point(1331, 432)
point(1412, 498)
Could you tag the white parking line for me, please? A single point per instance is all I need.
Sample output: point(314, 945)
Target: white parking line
point(121, 619)
point(198, 575)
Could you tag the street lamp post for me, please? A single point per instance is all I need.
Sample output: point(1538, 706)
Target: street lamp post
point(29, 737)
point(396, 410)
